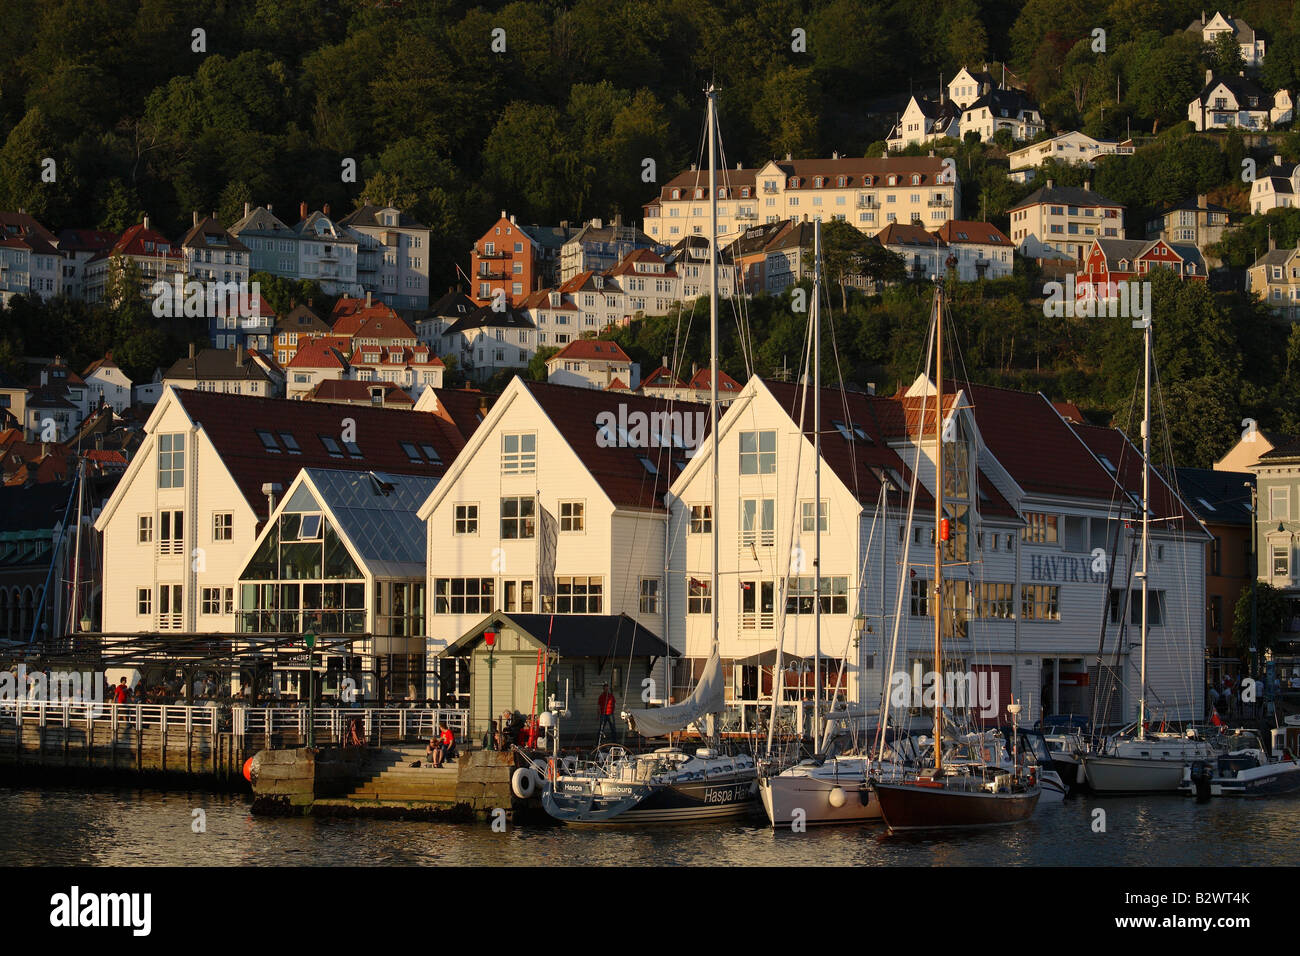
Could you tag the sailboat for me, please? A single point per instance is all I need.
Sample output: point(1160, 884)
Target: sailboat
point(1143, 762)
point(968, 794)
point(670, 785)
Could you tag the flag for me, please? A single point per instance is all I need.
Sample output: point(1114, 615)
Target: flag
point(548, 544)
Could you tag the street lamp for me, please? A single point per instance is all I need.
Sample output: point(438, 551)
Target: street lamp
point(490, 638)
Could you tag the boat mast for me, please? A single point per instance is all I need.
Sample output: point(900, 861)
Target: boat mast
point(817, 483)
point(1146, 514)
point(713, 365)
point(938, 523)
point(73, 625)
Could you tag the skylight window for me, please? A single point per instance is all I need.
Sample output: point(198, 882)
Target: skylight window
point(290, 443)
point(354, 450)
point(843, 430)
point(1107, 464)
point(331, 446)
point(431, 453)
point(648, 464)
point(412, 452)
point(1207, 504)
point(268, 441)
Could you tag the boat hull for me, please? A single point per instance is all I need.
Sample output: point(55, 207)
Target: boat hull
point(913, 806)
point(782, 795)
point(579, 802)
point(1266, 781)
point(1132, 775)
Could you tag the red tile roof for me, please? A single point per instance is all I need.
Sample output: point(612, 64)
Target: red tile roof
point(349, 315)
point(353, 390)
point(963, 230)
point(616, 385)
point(701, 381)
point(133, 240)
point(231, 423)
point(316, 353)
point(662, 377)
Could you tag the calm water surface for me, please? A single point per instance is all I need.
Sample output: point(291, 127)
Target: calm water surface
point(64, 826)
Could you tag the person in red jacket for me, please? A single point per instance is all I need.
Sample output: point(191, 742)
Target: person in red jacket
point(605, 707)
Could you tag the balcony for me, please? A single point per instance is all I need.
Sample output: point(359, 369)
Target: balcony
point(747, 214)
point(939, 203)
point(868, 202)
point(494, 255)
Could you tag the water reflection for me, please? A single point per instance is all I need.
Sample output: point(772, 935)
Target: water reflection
point(143, 828)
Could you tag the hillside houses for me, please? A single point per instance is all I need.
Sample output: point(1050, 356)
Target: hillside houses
point(1060, 222)
point(1249, 41)
point(1072, 148)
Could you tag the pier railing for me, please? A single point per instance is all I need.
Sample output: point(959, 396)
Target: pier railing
point(46, 713)
point(380, 724)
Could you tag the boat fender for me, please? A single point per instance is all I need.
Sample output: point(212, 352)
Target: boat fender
point(550, 770)
point(836, 797)
point(524, 783)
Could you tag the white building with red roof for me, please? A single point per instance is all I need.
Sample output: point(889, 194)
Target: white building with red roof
point(982, 250)
point(107, 383)
point(593, 363)
point(152, 253)
point(30, 261)
point(314, 362)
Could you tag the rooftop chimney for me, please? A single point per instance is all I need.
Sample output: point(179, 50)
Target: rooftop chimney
point(788, 157)
point(1209, 76)
point(195, 214)
point(191, 351)
point(1277, 160)
point(325, 209)
point(302, 210)
point(1202, 201)
point(512, 219)
point(1087, 185)
point(246, 209)
point(146, 220)
point(503, 214)
point(368, 298)
point(1050, 184)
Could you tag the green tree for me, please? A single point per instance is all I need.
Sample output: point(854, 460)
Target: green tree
point(1225, 55)
point(1271, 614)
point(537, 364)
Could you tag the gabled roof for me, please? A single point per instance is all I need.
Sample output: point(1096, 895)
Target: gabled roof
point(628, 265)
point(307, 229)
point(132, 243)
point(317, 353)
point(106, 363)
point(368, 215)
point(906, 234)
point(591, 350)
point(1004, 103)
point(86, 240)
point(662, 377)
point(1216, 497)
point(382, 326)
point(618, 385)
point(376, 512)
point(23, 224)
point(754, 240)
point(453, 305)
point(208, 234)
point(303, 318)
point(262, 221)
point(217, 364)
point(607, 636)
point(702, 381)
point(618, 470)
point(1115, 446)
point(1242, 88)
point(958, 231)
point(486, 317)
point(231, 423)
point(350, 314)
point(1276, 257)
point(1065, 196)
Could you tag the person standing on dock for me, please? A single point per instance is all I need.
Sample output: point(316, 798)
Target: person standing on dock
point(605, 706)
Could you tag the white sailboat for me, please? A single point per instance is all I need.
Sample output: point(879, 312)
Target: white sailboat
point(1143, 762)
point(670, 785)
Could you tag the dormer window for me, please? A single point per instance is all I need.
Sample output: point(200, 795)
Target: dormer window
point(893, 180)
point(744, 192)
point(916, 179)
point(818, 182)
point(842, 181)
point(699, 194)
point(869, 180)
point(793, 182)
point(677, 194)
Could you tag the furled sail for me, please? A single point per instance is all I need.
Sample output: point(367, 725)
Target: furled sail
point(705, 699)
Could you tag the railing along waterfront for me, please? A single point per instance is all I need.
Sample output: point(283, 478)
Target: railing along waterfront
point(64, 713)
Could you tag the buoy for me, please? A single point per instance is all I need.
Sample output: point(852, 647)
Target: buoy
point(248, 769)
point(836, 798)
point(524, 783)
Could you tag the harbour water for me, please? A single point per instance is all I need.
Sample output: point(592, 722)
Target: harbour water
point(66, 826)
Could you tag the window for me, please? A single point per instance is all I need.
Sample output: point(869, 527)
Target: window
point(757, 604)
point(169, 607)
point(994, 600)
point(920, 598)
point(1041, 528)
point(217, 601)
point(268, 441)
point(463, 595)
point(519, 454)
point(1216, 614)
point(465, 520)
point(758, 453)
point(801, 594)
point(1279, 504)
point(519, 597)
point(144, 529)
point(649, 596)
point(223, 526)
point(806, 509)
point(1281, 561)
point(578, 595)
point(701, 519)
point(757, 522)
point(143, 601)
point(571, 513)
point(1040, 602)
point(699, 596)
point(331, 446)
point(171, 526)
point(171, 461)
point(517, 517)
